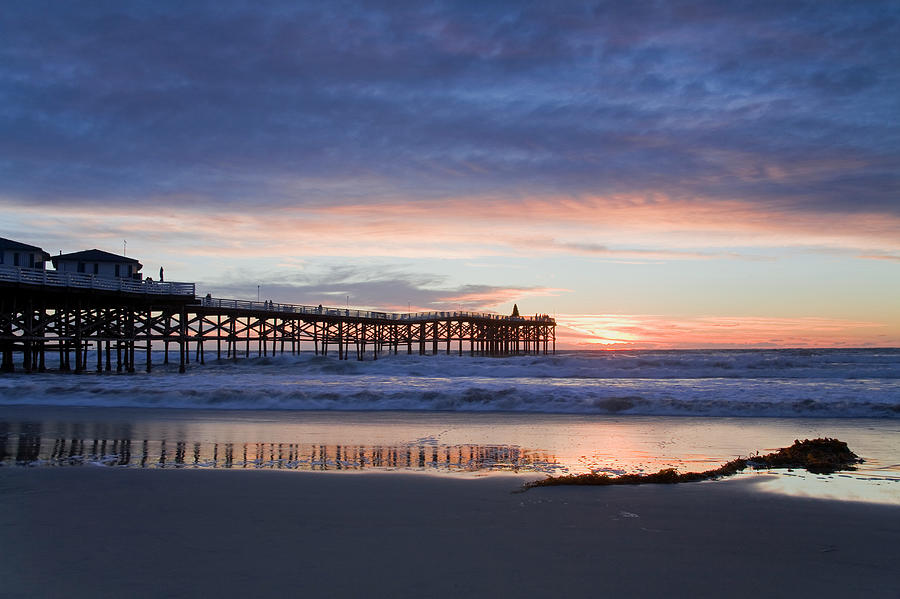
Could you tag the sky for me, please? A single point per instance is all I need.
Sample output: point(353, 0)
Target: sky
point(697, 174)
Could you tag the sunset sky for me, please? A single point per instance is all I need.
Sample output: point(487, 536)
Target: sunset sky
point(655, 174)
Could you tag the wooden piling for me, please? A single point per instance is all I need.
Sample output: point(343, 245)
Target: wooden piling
point(30, 326)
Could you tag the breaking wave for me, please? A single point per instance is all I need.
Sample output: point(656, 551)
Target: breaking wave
point(759, 383)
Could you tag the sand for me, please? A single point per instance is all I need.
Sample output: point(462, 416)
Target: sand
point(107, 532)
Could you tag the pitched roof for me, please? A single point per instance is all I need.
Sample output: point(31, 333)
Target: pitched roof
point(9, 244)
point(96, 255)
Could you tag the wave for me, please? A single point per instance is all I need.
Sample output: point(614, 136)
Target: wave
point(663, 364)
point(797, 363)
point(327, 384)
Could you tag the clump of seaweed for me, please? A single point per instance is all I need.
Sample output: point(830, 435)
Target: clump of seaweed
point(819, 456)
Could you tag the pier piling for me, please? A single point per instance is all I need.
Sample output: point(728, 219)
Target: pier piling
point(36, 317)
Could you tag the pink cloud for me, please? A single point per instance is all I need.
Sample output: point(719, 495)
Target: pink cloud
point(491, 297)
point(578, 224)
point(880, 257)
point(650, 226)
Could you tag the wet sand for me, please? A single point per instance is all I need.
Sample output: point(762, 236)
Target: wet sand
point(104, 532)
point(420, 441)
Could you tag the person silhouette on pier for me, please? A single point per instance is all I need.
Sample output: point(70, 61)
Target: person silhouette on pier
point(161, 279)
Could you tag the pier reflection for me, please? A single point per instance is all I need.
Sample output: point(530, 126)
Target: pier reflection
point(439, 442)
point(27, 447)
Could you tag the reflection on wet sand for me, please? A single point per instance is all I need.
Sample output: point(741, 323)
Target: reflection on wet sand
point(32, 449)
point(437, 443)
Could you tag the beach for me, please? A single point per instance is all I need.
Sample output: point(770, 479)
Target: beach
point(456, 443)
point(104, 532)
point(401, 478)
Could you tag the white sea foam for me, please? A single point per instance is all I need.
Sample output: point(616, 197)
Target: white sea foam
point(785, 383)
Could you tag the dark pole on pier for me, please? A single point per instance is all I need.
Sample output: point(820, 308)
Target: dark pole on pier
point(218, 336)
point(45, 323)
point(77, 325)
point(132, 337)
point(182, 323)
point(149, 328)
point(28, 319)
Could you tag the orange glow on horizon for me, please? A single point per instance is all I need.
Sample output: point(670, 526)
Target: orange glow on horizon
point(616, 331)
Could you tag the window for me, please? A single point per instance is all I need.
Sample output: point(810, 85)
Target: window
point(118, 270)
point(2, 257)
point(16, 259)
point(129, 270)
point(31, 260)
point(96, 268)
point(81, 267)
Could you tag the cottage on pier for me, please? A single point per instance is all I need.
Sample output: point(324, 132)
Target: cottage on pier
point(100, 263)
point(16, 253)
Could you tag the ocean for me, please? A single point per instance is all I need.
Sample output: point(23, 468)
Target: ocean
point(576, 411)
point(862, 383)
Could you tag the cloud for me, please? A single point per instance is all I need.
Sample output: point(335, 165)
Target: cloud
point(596, 249)
point(632, 228)
point(788, 105)
point(375, 286)
point(491, 296)
point(881, 257)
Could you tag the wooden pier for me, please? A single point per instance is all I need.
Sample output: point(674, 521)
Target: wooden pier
point(125, 321)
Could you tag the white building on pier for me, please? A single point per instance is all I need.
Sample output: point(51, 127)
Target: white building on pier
point(16, 253)
point(100, 263)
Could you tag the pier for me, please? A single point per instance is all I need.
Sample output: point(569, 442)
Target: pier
point(124, 321)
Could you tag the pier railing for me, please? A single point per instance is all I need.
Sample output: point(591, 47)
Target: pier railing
point(235, 304)
point(52, 278)
point(38, 318)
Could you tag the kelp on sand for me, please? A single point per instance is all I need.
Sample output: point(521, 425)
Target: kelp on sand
point(819, 456)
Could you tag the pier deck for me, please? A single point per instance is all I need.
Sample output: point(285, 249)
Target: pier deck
point(124, 321)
